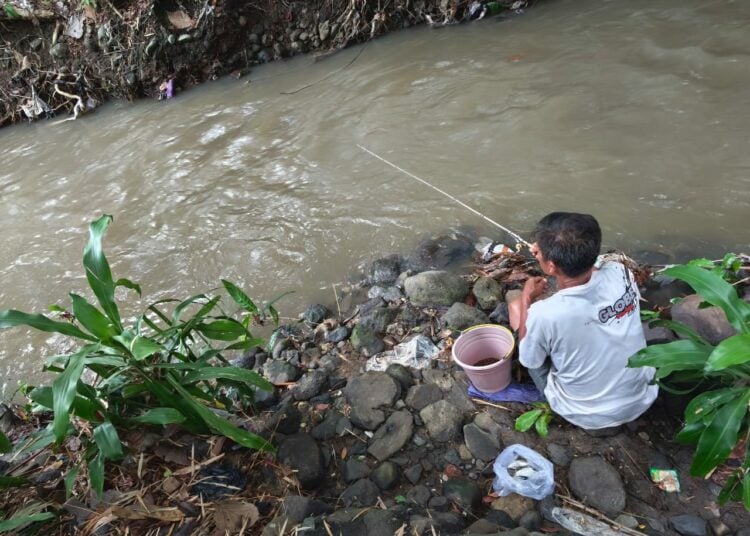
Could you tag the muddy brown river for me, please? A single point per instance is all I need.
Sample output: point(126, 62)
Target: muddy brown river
point(638, 112)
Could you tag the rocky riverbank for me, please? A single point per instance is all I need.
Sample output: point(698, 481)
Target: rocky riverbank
point(67, 57)
point(403, 450)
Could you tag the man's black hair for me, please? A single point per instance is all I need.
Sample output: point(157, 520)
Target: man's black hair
point(570, 240)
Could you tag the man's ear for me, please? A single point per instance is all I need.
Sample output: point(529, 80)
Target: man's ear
point(554, 271)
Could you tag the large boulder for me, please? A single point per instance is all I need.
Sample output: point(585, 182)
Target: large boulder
point(461, 316)
point(710, 322)
point(435, 288)
point(488, 292)
point(598, 484)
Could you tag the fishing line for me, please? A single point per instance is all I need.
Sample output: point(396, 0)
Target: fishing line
point(515, 236)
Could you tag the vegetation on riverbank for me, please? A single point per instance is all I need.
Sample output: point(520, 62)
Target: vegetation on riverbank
point(67, 57)
point(402, 448)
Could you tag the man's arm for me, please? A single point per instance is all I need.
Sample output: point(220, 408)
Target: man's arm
point(519, 309)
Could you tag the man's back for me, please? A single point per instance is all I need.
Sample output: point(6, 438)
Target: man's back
point(590, 331)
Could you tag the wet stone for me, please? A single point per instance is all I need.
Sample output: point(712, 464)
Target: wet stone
point(531, 520)
point(378, 318)
point(354, 470)
point(368, 392)
point(363, 492)
point(501, 519)
point(435, 288)
point(598, 484)
point(301, 453)
point(392, 435)
point(309, 385)
point(387, 269)
point(401, 374)
point(381, 522)
point(315, 314)
point(386, 475)
point(438, 503)
point(366, 341)
point(464, 493)
point(461, 316)
point(488, 292)
point(278, 371)
point(418, 495)
point(421, 396)
point(339, 334)
point(297, 508)
point(689, 525)
point(443, 420)
point(413, 473)
point(481, 444)
point(329, 428)
point(559, 455)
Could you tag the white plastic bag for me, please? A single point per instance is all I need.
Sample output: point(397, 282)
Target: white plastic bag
point(519, 469)
point(416, 353)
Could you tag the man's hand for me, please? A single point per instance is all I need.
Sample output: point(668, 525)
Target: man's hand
point(533, 288)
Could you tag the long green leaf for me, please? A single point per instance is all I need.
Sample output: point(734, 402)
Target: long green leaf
point(247, 344)
point(746, 490)
point(680, 329)
point(729, 352)
point(96, 474)
point(64, 392)
point(127, 283)
point(12, 482)
point(720, 436)
point(228, 373)
point(705, 404)
point(716, 291)
point(177, 313)
point(226, 329)
point(160, 416)
point(239, 296)
point(222, 426)
point(690, 433)
point(92, 319)
point(525, 421)
point(542, 425)
point(70, 479)
point(21, 519)
point(672, 356)
point(5, 444)
point(98, 272)
point(106, 438)
point(11, 318)
point(139, 347)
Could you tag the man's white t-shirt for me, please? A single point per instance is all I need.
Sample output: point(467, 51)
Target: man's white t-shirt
point(589, 331)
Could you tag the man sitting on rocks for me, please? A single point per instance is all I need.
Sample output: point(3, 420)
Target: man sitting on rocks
point(576, 343)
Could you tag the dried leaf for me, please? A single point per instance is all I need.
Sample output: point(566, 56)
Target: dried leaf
point(170, 485)
point(180, 20)
point(161, 514)
point(232, 516)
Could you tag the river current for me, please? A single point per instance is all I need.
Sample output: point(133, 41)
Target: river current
point(637, 112)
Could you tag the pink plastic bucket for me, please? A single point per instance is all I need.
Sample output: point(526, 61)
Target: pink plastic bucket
point(484, 343)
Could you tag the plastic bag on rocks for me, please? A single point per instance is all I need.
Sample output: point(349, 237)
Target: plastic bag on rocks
point(416, 353)
point(519, 469)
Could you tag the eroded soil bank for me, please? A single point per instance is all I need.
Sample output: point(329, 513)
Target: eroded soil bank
point(67, 56)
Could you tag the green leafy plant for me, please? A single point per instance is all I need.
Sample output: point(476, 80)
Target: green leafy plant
point(32, 513)
point(10, 11)
point(166, 367)
point(539, 418)
point(89, 3)
point(717, 418)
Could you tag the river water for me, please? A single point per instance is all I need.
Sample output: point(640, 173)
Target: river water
point(635, 111)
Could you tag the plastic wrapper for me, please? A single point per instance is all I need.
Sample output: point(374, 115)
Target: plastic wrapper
point(416, 353)
point(521, 470)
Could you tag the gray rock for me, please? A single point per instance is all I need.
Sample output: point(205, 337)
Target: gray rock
point(488, 292)
point(354, 469)
point(385, 270)
point(367, 393)
point(315, 314)
point(386, 475)
point(464, 493)
point(331, 426)
point(531, 520)
point(437, 523)
point(486, 423)
point(439, 503)
point(657, 335)
point(441, 378)
point(440, 252)
point(297, 508)
point(483, 526)
point(598, 484)
point(264, 56)
point(481, 444)
point(559, 455)
point(401, 374)
point(345, 521)
point(363, 492)
point(339, 334)
point(301, 453)
point(278, 371)
point(421, 396)
point(418, 495)
point(627, 521)
point(458, 396)
point(324, 30)
point(380, 523)
point(309, 385)
point(689, 525)
point(36, 44)
point(435, 288)
point(461, 316)
point(442, 419)
point(718, 528)
point(378, 318)
point(392, 436)
point(366, 341)
point(711, 322)
point(501, 519)
point(413, 473)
